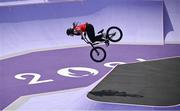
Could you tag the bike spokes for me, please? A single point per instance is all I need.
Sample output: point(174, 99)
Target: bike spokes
point(98, 54)
point(114, 34)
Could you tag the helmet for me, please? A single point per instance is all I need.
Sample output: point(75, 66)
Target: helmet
point(69, 31)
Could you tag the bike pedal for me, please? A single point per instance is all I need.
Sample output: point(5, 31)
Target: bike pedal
point(107, 43)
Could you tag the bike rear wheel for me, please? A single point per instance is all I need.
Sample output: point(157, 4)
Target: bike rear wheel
point(98, 54)
point(114, 34)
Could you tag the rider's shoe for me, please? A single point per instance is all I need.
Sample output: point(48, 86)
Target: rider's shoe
point(107, 42)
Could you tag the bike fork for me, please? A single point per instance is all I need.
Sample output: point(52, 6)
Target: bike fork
point(95, 49)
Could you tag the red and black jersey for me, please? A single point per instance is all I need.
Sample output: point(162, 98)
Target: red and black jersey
point(81, 27)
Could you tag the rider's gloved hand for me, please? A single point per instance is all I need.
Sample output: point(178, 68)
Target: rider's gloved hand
point(74, 24)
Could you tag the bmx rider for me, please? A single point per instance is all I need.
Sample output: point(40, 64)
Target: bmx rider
point(86, 28)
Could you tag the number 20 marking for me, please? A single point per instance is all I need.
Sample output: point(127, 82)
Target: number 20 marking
point(35, 79)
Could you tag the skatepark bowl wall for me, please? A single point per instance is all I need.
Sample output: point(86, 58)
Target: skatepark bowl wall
point(43, 25)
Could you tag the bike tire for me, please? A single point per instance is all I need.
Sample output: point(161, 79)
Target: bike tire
point(94, 51)
point(111, 38)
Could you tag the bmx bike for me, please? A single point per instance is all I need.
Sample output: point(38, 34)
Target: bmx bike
point(113, 34)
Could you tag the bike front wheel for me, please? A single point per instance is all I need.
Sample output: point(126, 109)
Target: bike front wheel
point(114, 34)
point(98, 54)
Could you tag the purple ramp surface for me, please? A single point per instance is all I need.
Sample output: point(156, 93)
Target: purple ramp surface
point(48, 63)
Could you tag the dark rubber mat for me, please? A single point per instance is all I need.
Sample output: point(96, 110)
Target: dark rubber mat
point(154, 83)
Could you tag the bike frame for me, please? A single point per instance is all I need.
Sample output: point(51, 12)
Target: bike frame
point(88, 42)
point(108, 36)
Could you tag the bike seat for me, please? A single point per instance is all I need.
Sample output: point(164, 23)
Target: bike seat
point(101, 31)
point(96, 42)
